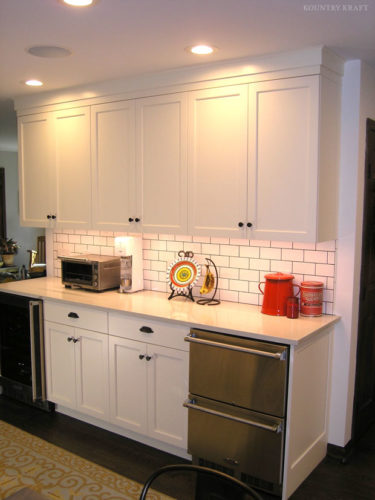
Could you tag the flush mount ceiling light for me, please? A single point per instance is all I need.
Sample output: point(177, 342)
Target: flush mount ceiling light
point(201, 49)
point(34, 83)
point(48, 51)
point(79, 3)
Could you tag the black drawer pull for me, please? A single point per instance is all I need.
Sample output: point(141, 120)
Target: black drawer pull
point(146, 329)
point(73, 315)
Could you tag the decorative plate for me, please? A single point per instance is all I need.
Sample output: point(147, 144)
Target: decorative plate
point(183, 272)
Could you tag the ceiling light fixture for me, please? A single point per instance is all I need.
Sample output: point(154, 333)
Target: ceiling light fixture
point(34, 83)
point(201, 49)
point(48, 51)
point(79, 3)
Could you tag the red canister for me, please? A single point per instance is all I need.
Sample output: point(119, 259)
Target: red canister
point(311, 298)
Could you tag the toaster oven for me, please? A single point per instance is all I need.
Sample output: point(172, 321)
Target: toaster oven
point(92, 272)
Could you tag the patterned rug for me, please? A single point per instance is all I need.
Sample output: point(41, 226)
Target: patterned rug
point(27, 461)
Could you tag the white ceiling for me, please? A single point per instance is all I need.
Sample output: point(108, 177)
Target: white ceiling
point(119, 38)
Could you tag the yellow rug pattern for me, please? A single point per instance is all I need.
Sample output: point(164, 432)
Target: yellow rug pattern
point(28, 461)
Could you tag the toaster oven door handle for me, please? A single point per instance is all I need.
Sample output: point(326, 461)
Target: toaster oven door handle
point(248, 350)
point(276, 427)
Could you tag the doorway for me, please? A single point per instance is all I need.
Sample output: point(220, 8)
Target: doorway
point(364, 396)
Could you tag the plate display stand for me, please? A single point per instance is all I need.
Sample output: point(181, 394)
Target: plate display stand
point(182, 274)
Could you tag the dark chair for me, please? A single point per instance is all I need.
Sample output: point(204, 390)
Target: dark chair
point(207, 484)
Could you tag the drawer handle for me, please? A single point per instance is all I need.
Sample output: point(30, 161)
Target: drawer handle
point(275, 355)
point(146, 329)
point(276, 427)
point(73, 315)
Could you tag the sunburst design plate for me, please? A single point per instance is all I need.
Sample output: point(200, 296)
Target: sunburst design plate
point(183, 273)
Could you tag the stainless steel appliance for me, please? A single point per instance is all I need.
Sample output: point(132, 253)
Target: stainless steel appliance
point(237, 406)
point(90, 271)
point(22, 350)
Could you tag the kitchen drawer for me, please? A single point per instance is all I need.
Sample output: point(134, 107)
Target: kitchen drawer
point(75, 315)
point(148, 330)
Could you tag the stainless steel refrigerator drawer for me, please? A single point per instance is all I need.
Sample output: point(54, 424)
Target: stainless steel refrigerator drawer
point(238, 371)
point(238, 439)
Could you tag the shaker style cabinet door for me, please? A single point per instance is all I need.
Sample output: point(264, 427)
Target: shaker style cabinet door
point(73, 167)
point(161, 146)
point(60, 364)
point(113, 166)
point(218, 161)
point(91, 358)
point(35, 166)
point(283, 158)
point(128, 384)
point(168, 374)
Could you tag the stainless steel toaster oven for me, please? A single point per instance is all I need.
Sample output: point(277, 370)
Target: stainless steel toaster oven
point(90, 271)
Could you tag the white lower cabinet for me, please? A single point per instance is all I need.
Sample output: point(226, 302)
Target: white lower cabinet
point(148, 384)
point(77, 368)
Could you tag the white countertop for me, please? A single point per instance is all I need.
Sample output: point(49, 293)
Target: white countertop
point(227, 317)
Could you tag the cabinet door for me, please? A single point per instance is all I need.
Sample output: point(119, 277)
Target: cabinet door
point(218, 161)
point(113, 165)
point(72, 167)
point(161, 146)
point(168, 372)
point(35, 164)
point(91, 357)
point(60, 364)
point(128, 384)
point(283, 159)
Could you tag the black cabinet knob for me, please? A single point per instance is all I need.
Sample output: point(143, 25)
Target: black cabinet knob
point(249, 224)
point(146, 329)
point(141, 356)
point(69, 339)
point(240, 224)
point(75, 340)
point(137, 219)
point(131, 219)
point(49, 216)
point(148, 358)
point(53, 216)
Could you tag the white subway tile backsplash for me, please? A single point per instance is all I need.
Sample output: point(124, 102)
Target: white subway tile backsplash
point(251, 252)
point(270, 253)
point(315, 256)
point(230, 250)
point(241, 263)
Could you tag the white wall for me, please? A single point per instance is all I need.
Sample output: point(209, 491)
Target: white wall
point(358, 103)
point(25, 236)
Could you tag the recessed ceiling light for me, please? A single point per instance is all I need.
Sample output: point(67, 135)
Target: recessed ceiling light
point(79, 3)
point(201, 49)
point(48, 51)
point(34, 83)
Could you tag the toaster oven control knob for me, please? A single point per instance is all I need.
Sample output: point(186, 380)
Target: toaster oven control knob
point(249, 224)
point(240, 224)
point(95, 283)
point(131, 219)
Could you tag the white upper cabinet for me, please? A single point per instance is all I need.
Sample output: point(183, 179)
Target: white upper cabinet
point(54, 165)
point(36, 162)
point(73, 168)
point(290, 179)
point(161, 148)
point(218, 160)
point(113, 165)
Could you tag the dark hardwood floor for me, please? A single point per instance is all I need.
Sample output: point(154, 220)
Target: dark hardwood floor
point(354, 480)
